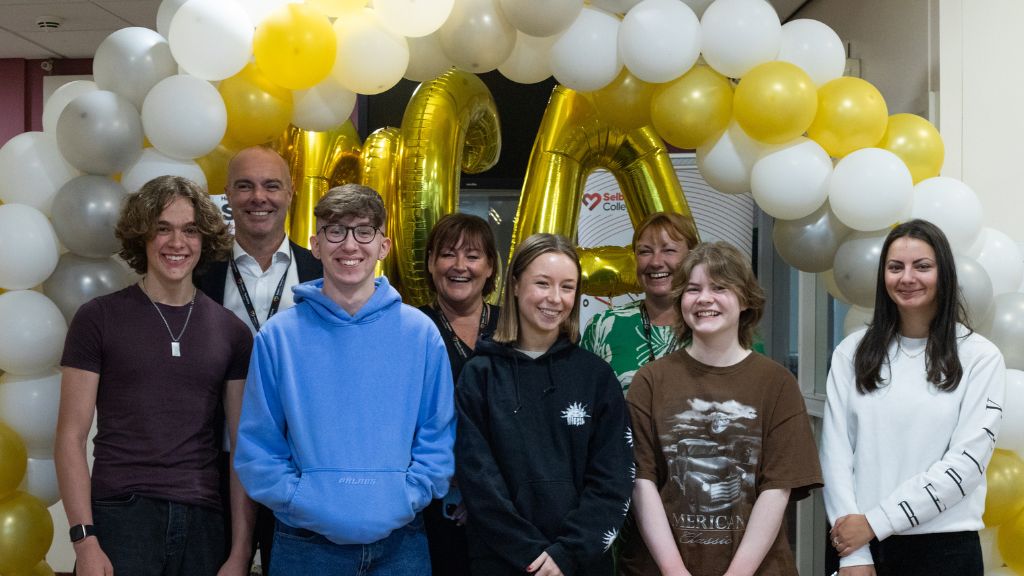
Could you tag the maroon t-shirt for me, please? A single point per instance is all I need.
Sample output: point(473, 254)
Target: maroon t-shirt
point(157, 414)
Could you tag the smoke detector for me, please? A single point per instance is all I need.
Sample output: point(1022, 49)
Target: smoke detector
point(49, 23)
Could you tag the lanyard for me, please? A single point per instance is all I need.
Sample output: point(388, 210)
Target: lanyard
point(460, 347)
point(275, 302)
point(647, 333)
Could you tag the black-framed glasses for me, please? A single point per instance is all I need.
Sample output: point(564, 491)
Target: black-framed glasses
point(336, 233)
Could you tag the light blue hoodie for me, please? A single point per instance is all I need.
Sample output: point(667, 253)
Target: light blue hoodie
point(347, 421)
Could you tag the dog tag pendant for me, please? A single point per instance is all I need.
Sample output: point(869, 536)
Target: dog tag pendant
point(175, 349)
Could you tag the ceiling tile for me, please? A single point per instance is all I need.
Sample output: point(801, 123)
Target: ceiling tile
point(138, 12)
point(13, 46)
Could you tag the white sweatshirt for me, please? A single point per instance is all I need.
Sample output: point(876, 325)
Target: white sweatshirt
point(908, 456)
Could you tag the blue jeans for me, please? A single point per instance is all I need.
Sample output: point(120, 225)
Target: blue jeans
point(151, 537)
point(403, 553)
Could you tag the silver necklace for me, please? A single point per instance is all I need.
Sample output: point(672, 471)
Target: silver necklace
point(899, 345)
point(175, 341)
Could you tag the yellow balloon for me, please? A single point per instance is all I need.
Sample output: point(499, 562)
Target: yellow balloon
point(26, 531)
point(917, 142)
point(1005, 497)
point(295, 46)
point(215, 165)
point(258, 110)
point(312, 160)
point(775, 102)
point(13, 461)
point(40, 569)
point(626, 102)
point(851, 115)
point(692, 109)
point(571, 142)
point(1010, 540)
point(450, 126)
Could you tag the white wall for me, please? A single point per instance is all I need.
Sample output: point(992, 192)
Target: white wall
point(982, 105)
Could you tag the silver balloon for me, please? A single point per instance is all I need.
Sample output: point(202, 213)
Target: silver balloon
point(1007, 330)
point(856, 266)
point(84, 213)
point(810, 243)
point(100, 132)
point(856, 319)
point(976, 287)
point(78, 279)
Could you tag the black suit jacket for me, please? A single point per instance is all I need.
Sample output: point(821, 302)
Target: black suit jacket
point(212, 280)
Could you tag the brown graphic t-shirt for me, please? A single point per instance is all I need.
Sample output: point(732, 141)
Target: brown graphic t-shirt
point(712, 439)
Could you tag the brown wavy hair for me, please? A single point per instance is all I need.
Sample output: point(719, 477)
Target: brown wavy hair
point(141, 211)
point(474, 231)
point(729, 267)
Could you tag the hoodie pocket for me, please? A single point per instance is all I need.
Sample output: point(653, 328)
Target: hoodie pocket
point(546, 502)
point(351, 506)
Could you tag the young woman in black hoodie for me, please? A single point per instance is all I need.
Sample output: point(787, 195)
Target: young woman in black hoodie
point(544, 449)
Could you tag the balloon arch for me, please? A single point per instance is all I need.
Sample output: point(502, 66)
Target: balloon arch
point(765, 105)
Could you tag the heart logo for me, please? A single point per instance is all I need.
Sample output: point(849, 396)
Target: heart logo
point(592, 200)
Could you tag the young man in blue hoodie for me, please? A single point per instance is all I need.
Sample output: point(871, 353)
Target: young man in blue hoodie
point(347, 420)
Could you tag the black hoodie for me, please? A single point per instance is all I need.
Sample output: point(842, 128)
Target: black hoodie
point(544, 458)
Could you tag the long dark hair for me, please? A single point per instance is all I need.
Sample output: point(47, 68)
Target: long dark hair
point(941, 359)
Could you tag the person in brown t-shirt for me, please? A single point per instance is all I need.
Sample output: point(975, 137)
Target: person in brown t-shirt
point(722, 440)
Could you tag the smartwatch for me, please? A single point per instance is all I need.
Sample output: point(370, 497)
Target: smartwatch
point(81, 532)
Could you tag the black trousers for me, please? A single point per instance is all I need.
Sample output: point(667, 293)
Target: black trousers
point(942, 554)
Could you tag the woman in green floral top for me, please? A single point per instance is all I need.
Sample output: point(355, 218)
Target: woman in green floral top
point(629, 336)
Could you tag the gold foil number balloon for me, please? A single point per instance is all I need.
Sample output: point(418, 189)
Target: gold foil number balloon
point(571, 142)
point(451, 123)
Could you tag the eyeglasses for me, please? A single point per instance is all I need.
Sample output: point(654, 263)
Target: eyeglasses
point(336, 233)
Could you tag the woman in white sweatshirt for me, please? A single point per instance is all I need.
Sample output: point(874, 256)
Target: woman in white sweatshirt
point(914, 406)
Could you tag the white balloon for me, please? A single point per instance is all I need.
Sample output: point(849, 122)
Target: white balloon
point(857, 318)
point(815, 48)
point(152, 163)
point(370, 58)
point(1001, 258)
point(324, 106)
point(659, 40)
point(737, 35)
point(976, 287)
point(541, 18)
point(952, 206)
point(28, 247)
point(413, 18)
point(856, 266)
point(28, 404)
point(32, 332)
point(211, 39)
point(1007, 330)
point(828, 278)
point(427, 59)
point(726, 163)
point(165, 13)
point(41, 480)
point(1011, 430)
point(586, 56)
point(792, 182)
point(131, 61)
point(59, 99)
point(257, 10)
point(184, 117)
point(477, 37)
point(530, 61)
point(615, 6)
point(33, 170)
point(871, 188)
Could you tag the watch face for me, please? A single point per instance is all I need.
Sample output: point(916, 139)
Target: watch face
point(80, 531)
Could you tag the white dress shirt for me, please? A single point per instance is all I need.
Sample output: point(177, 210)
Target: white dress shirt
point(260, 284)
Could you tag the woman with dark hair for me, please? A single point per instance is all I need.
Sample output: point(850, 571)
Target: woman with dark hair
point(542, 451)
point(721, 436)
point(462, 259)
point(914, 405)
point(632, 335)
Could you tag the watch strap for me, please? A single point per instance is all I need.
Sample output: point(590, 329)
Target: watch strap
point(81, 532)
